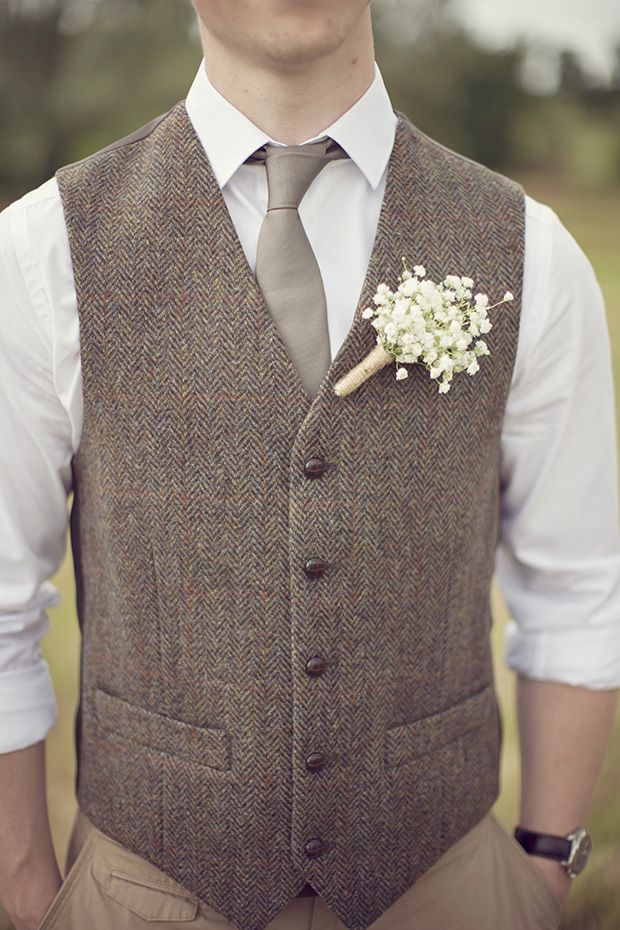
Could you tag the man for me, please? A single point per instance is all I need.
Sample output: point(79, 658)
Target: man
point(288, 716)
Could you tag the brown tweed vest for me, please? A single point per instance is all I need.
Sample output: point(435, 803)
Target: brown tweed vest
point(243, 725)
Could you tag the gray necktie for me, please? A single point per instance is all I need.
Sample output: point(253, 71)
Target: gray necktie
point(287, 271)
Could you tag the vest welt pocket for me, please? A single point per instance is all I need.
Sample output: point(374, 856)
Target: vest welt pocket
point(208, 746)
point(408, 741)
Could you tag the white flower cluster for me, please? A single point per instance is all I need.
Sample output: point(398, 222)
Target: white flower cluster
point(432, 323)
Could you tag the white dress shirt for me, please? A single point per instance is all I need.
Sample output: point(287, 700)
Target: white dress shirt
point(558, 558)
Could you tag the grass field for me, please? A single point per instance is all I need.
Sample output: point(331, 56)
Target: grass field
point(593, 904)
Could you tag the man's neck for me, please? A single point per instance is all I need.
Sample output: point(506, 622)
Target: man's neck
point(294, 105)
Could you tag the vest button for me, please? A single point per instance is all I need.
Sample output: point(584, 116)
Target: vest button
point(315, 666)
point(315, 761)
point(314, 847)
point(314, 568)
point(314, 468)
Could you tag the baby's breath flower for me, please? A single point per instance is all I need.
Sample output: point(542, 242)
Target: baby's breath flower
point(409, 286)
point(431, 323)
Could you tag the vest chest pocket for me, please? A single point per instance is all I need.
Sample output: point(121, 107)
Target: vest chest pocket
point(408, 741)
point(209, 746)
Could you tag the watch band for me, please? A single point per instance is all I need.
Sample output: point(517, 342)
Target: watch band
point(544, 844)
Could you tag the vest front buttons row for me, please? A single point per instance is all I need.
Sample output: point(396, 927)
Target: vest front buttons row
point(314, 468)
point(314, 568)
point(315, 666)
point(314, 847)
point(315, 761)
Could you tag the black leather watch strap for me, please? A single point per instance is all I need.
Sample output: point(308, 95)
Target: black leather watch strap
point(544, 844)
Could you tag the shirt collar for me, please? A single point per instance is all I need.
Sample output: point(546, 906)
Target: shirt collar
point(365, 131)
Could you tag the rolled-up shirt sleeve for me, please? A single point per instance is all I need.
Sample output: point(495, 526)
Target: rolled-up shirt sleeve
point(558, 554)
point(35, 477)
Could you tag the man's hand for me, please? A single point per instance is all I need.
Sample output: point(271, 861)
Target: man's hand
point(555, 875)
point(29, 899)
point(29, 874)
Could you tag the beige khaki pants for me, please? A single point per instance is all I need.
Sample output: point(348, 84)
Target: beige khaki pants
point(485, 881)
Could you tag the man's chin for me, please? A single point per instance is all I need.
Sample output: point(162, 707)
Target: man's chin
point(291, 54)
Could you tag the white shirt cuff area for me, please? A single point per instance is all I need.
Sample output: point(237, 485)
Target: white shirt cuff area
point(28, 707)
point(588, 658)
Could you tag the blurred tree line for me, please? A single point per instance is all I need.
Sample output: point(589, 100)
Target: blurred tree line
point(78, 74)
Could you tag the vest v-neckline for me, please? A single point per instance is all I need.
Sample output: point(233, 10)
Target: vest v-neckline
point(383, 265)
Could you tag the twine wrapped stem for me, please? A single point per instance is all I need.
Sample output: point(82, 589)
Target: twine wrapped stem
point(376, 359)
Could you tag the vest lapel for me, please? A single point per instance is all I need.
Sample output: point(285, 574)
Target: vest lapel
point(384, 265)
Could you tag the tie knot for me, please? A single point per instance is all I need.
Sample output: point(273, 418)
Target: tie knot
point(291, 169)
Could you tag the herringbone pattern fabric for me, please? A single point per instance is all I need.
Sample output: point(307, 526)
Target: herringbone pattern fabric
point(192, 520)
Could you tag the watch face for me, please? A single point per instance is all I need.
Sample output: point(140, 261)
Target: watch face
point(580, 852)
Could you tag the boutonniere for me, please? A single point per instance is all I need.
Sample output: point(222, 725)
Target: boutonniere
point(428, 323)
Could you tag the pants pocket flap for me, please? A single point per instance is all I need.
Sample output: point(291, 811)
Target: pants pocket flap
point(149, 900)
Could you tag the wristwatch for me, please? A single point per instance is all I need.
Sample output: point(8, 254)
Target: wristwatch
point(572, 851)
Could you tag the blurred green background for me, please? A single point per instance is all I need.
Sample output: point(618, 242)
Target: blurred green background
point(78, 74)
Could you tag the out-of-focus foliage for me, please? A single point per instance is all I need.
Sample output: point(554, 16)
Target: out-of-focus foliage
point(476, 100)
point(77, 74)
